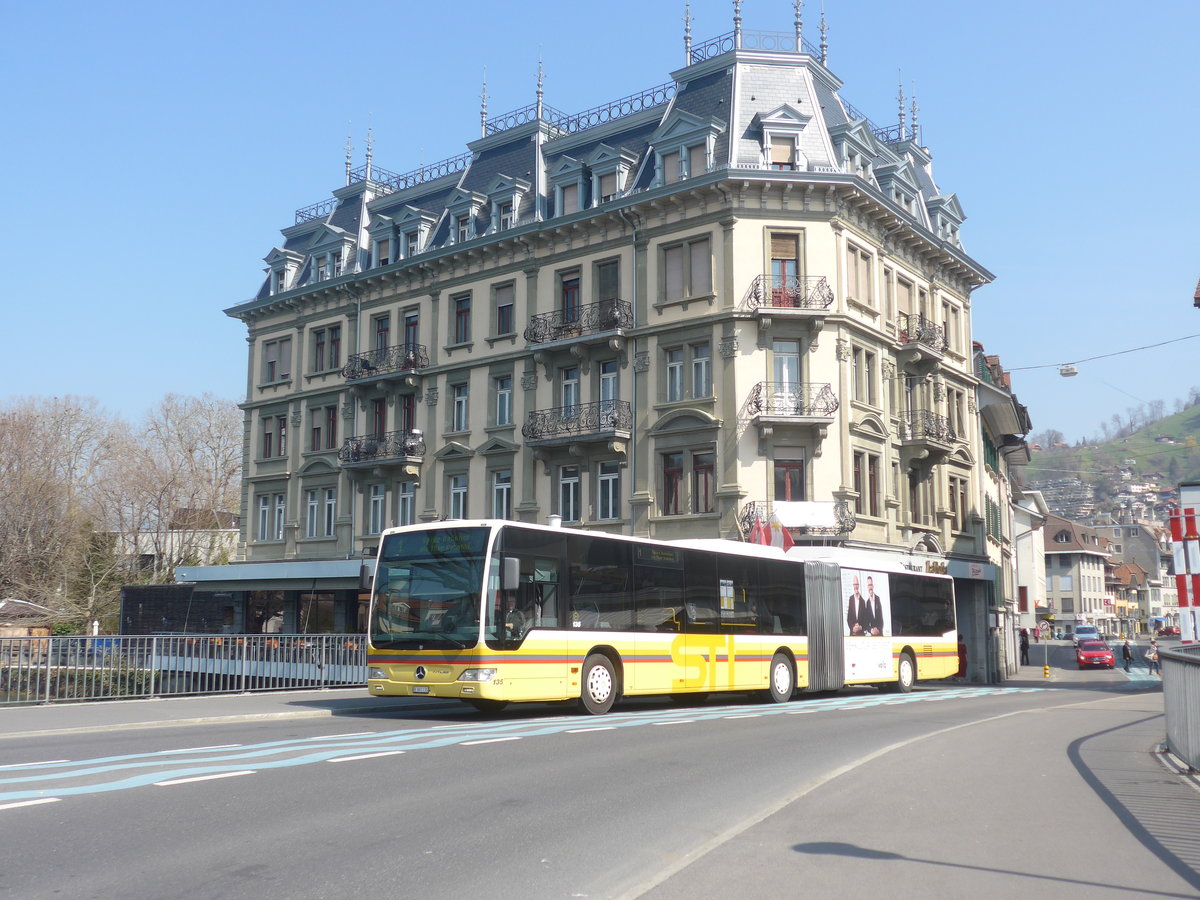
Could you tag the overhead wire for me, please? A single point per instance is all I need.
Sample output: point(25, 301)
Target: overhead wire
point(1104, 355)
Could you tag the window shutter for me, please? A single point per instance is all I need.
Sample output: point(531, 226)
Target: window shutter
point(606, 279)
point(673, 261)
point(608, 184)
point(785, 246)
point(783, 150)
point(697, 160)
point(285, 358)
point(570, 196)
point(670, 167)
point(701, 267)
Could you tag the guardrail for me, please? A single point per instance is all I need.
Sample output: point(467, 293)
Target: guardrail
point(1181, 701)
point(58, 669)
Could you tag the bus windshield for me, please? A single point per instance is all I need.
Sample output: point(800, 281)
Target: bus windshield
point(427, 589)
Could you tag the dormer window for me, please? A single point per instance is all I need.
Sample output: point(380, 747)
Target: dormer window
point(570, 199)
point(504, 198)
point(610, 167)
point(608, 187)
point(279, 280)
point(669, 167)
point(322, 268)
point(783, 153)
point(383, 252)
point(504, 215)
point(462, 229)
point(412, 244)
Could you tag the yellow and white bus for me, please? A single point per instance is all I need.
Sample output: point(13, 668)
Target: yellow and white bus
point(493, 612)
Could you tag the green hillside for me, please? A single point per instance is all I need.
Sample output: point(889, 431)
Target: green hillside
point(1143, 451)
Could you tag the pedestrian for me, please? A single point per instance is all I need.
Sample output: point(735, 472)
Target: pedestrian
point(1024, 647)
point(1037, 634)
point(1127, 654)
point(1152, 664)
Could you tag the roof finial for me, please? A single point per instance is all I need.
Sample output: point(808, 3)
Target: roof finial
point(824, 38)
point(370, 149)
point(798, 5)
point(541, 81)
point(483, 106)
point(916, 130)
point(900, 99)
point(349, 152)
point(737, 24)
point(687, 32)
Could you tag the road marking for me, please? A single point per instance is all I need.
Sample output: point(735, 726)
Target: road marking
point(44, 762)
point(199, 749)
point(30, 803)
point(445, 727)
point(745, 716)
point(203, 778)
point(334, 737)
point(365, 756)
point(676, 722)
point(590, 730)
point(488, 741)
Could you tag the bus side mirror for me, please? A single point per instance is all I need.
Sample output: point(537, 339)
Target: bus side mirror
point(510, 573)
point(364, 578)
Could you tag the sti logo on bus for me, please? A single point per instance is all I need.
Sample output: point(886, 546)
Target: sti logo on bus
point(420, 673)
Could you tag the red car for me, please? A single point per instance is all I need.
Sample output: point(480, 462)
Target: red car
point(1168, 631)
point(1094, 653)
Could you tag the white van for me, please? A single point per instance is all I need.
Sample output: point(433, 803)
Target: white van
point(1086, 633)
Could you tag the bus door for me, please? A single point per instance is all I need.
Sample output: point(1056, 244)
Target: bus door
point(717, 628)
point(530, 621)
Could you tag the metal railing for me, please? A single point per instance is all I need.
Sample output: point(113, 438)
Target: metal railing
point(604, 417)
point(781, 398)
point(397, 358)
point(914, 328)
point(777, 41)
point(605, 316)
point(61, 669)
point(761, 510)
point(788, 292)
point(921, 425)
point(1181, 701)
point(393, 445)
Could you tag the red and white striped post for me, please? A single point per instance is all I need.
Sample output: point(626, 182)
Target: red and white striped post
point(1185, 546)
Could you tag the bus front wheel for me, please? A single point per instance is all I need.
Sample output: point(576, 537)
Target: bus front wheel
point(782, 680)
point(599, 690)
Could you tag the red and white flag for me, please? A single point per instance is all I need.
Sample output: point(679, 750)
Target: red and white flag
point(779, 535)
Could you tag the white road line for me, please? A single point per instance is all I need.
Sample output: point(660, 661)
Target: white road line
point(203, 778)
point(677, 722)
point(745, 716)
point(366, 756)
point(30, 803)
point(488, 741)
point(334, 737)
point(44, 762)
point(590, 730)
point(199, 749)
point(460, 725)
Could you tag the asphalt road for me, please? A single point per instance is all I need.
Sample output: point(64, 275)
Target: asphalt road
point(1035, 789)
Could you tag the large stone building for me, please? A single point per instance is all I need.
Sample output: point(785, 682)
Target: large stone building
point(727, 295)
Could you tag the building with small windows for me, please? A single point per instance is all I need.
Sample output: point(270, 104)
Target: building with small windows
point(727, 296)
point(1077, 560)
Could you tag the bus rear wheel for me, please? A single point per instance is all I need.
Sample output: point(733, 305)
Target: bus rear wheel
point(599, 685)
point(906, 673)
point(783, 682)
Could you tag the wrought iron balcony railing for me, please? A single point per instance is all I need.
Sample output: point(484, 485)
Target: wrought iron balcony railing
point(604, 417)
point(921, 425)
point(373, 447)
point(594, 318)
point(397, 358)
point(915, 328)
point(781, 398)
point(788, 292)
point(843, 518)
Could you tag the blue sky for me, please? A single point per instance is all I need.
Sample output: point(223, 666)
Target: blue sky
point(152, 152)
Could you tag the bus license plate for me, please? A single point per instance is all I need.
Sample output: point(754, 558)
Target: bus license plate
point(420, 689)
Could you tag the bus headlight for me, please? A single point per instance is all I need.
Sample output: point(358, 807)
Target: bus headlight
point(376, 673)
point(477, 675)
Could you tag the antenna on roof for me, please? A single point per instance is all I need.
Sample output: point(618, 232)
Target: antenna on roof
point(916, 131)
point(824, 38)
point(370, 150)
point(349, 152)
point(737, 24)
point(483, 106)
point(798, 6)
point(540, 82)
point(687, 32)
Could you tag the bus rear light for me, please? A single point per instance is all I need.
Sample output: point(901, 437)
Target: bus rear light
point(477, 675)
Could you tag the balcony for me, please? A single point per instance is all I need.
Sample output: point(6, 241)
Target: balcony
point(603, 421)
point(396, 448)
point(399, 359)
point(922, 343)
point(594, 322)
point(817, 519)
point(926, 436)
point(793, 297)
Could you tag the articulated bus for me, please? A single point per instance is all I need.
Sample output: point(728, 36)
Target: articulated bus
point(493, 612)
